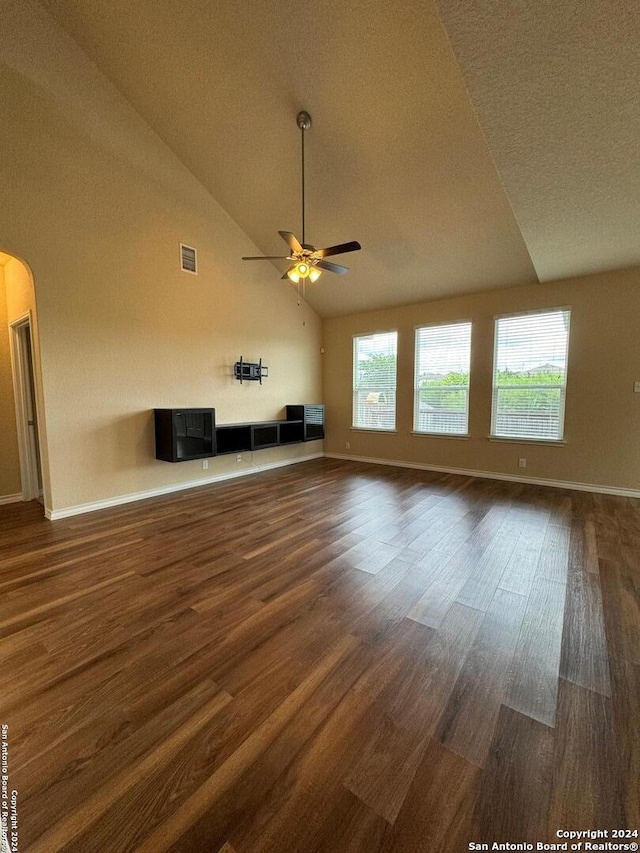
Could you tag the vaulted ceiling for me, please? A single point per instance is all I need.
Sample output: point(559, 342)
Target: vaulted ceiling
point(468, 145)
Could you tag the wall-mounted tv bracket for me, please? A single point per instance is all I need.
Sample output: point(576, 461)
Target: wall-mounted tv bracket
point(250, 371)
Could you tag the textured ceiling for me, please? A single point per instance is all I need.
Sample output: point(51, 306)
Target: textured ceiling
point(555, 85)
point(399, 156)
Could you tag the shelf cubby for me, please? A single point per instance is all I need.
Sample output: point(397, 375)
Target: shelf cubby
point(183, 434)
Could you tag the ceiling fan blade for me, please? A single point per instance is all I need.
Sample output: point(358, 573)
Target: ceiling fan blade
point(267, 258)
point(291, 240)
point(353, 246)
point(326, 265)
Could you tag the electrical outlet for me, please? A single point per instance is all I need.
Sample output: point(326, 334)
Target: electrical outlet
point(348, 445)
point(522, 463)
point(636, 387)
point(238, 457)
point(205, 464)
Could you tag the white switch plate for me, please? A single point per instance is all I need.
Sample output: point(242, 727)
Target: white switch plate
point(636, 387)
point(522, 462)
point(205, 464)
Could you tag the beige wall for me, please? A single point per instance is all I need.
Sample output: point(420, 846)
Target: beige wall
point(9, 461)
point(97, 206)
point(602, 426)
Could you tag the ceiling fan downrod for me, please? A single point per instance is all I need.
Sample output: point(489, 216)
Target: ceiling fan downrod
point(303, 120)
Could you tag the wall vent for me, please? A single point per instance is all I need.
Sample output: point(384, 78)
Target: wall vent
point(188, 259)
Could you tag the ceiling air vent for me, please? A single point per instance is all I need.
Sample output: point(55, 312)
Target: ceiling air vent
point(188, 259)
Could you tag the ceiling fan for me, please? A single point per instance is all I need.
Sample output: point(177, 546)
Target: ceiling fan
point(307, 261)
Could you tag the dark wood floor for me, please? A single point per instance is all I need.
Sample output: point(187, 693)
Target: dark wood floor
point(328, 657)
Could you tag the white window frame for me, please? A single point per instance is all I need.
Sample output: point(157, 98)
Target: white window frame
point(372, 426)
point(494, 436)
point(417, 390)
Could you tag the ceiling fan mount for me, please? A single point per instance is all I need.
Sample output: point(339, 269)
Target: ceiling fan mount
point(303, 120)
point(307, 261)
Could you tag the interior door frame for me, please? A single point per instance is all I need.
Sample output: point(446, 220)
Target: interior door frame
point(22, 389)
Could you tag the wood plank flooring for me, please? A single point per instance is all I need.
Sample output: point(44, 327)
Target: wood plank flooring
point(329, 657)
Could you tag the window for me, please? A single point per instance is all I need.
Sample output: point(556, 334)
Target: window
point(530, 376)
point(374, 381)
point(441, 401)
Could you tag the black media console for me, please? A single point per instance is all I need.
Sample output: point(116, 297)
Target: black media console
point(183, 434)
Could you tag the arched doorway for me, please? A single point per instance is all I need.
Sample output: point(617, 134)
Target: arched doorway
point(21, 467)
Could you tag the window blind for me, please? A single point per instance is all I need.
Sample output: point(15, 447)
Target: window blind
point(530, 375)
point(441, 387)
point(374, 381)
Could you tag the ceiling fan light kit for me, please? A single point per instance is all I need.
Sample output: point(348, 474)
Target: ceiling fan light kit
point(303, 270)
point(308, 262)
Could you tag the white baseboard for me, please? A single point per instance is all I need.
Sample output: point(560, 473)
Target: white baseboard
point(79, 509)
point(10, 499)
point(490, 475)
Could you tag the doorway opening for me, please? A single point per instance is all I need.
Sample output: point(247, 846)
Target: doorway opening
point(24, 464)
point(24, 386)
